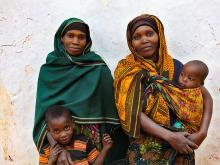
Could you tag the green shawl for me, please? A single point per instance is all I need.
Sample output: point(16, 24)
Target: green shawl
point(83, 84)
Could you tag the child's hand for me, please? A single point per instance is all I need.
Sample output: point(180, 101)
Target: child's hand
point(197, 137)
point(107, 141)
point(64, 158)
point(55, 151)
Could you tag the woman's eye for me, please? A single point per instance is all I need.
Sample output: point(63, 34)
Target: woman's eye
point(82, 37)
point(70, 35)
point(136, 37)
point(149, 34)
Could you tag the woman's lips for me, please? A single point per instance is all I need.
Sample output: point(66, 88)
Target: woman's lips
point(74, 48)
point(147, 48)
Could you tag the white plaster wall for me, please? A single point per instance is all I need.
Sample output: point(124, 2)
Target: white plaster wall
point(27, 28)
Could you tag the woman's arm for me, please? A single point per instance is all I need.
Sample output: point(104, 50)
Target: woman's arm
point(177, 140)
point(199, 136)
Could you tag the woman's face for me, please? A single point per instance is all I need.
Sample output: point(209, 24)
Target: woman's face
point(74, 42)
point(145, 41)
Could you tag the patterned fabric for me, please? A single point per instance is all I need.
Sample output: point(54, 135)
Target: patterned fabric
point(164, 63)
point(143, 85)
point(148, 150)
point(92, 132)
point(161, 96)
point(84, 85)
point(75, 82)
point(95, 133)
point(129, 74)
point(81, 149)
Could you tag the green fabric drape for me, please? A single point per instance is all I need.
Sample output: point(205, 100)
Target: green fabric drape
point(82, 84)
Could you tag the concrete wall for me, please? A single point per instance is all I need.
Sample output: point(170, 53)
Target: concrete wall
point(26, 36)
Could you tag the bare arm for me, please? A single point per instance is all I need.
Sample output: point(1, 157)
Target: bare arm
point(207, 111)
point(63, 157)
point(107, 144)
point(51, 140)
point(100, 159)
point(199, 136)
point(177, 140)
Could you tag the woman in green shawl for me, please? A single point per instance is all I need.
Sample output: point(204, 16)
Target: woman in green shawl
point(78, 79)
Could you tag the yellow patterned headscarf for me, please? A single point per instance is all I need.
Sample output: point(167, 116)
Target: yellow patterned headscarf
point(130, 75)
point(164, 63)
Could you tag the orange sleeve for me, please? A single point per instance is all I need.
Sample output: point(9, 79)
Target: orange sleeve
point(44, 155)
point(92, 155)
point(92, 152)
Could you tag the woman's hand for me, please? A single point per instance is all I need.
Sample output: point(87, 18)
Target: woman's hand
point(179, 141)
point(64, 158)
point(197, 137)
point(55, 151)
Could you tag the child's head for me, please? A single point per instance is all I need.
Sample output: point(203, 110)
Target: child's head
point(59, 124)
point(193, 74)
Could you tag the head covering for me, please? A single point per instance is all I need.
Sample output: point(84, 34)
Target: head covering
point(78, 26)
point(162, 61)
point(58, 45)
point(138, 21)
point(79, 83)
point(140, 88)
point(131, 72)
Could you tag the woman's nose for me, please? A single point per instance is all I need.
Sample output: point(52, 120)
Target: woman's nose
point(75, 40)
point(144, 39)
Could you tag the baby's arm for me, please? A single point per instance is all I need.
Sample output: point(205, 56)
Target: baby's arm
point(107, 144)
point(207, 111)
point(199, 136)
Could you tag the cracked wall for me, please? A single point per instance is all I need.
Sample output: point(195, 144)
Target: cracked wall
point(27, 29)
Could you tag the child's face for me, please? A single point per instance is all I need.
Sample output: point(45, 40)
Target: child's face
point(190, 76)
point(61, 129)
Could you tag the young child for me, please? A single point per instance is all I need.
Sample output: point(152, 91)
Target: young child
point(60, 126)
point(193, 76)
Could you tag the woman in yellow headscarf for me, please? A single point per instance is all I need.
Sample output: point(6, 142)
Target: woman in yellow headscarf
point(146, 115)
